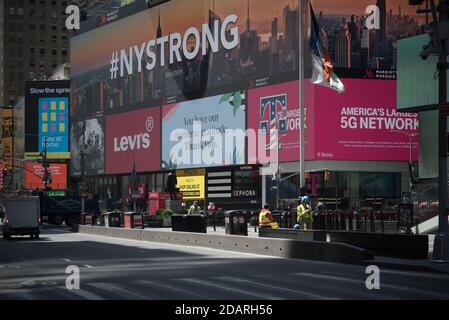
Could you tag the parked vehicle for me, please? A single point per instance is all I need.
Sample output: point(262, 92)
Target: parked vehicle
point(56, 209)
point(22, 217)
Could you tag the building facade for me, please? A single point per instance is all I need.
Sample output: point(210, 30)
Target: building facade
point(174, 89)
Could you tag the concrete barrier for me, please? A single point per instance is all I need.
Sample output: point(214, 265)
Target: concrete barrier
point(302, 235)
point(383, 244)
point(286, 248)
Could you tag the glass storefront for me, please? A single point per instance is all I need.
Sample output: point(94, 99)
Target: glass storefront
point(338, 190)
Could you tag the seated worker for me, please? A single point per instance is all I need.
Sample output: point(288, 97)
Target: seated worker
point(266, 219)
point(304, 214)
point(194, 208)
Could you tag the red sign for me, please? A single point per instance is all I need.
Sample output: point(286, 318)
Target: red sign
point(2, 166)
point(133, 138)
point(34, 174)
point(141, 188)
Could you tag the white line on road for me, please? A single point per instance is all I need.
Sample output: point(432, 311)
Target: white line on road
point(116, 289)
point(66, 260)
point(85, 294)
point(231, 289)
point(260, 284)
point(88, 266)
point(165, 286)
point(389, 286)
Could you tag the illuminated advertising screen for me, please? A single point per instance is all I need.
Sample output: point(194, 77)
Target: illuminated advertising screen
point(34, 174)
point(89, 133)
point(7, 137)
point(215, 45)
point(133, 138)
point(47, 106)
point(204, 132)
point(363, 123)
point(277, 107)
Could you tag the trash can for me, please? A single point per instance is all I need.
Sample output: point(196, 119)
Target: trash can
point(196, 223)
point(235, 223)
point(133, 220)
point(178, 222)
point(86, 219)
point(112, 219)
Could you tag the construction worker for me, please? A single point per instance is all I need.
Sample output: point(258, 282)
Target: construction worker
point(266, 219)
point(304, 214)
point(194, 208)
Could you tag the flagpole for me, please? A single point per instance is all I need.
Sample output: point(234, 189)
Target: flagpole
point(301, 24)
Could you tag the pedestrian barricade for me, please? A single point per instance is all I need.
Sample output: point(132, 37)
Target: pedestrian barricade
point(133, 220)
point(189, 223)
point(86, 219)
point(112, 219)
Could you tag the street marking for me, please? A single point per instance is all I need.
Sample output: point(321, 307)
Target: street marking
point(88, 266)
point(231, 289)
point(66, 260)
point(259, 284)
point(115, 289)
point(362, 282)
point(84, 294)
point(165, 286)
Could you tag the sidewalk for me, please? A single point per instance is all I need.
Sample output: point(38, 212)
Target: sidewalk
point(382, 262)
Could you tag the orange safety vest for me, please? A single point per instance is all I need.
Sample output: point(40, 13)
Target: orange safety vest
point(265, 218)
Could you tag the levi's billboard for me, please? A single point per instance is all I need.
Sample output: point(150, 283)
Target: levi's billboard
point(133, 138)
point(363, 123)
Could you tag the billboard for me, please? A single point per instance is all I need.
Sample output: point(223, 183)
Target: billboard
point(215, 45)
point(195, 133)
point(47, 113)
point(277, 107)
point(192, 187)
point(354, 45)
point(133, 138)
point(7, 136)
point(89, 133)
point(417, 85)
point(363, 123)
point(34, 173)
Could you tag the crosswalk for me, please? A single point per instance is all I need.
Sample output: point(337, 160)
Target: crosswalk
point(291, 286)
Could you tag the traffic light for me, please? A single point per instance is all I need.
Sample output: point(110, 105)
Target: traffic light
point(327, 176)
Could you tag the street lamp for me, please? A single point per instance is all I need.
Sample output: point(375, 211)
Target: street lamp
point(410, 137)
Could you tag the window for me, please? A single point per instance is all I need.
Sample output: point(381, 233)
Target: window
point(12, 11)
point(20, 11)
point(64, 52)
point(32, 63)
point(32, 50)
point(54, 51)
point(42, 51)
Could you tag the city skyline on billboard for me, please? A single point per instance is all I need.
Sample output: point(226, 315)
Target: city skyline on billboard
point(227, 45)
point(351, 45)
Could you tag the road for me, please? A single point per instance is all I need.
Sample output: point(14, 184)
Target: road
point(126, 269)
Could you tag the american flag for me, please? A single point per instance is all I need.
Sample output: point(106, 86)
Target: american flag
point(274, 104)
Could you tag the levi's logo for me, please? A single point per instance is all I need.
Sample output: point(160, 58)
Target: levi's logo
point(136, 142)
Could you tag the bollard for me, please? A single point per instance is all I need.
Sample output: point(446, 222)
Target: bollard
point(382, 226)
point(372, 222)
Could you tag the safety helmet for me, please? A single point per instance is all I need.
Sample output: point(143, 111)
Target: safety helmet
point(305, 199)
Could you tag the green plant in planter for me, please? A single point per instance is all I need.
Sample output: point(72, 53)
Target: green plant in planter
point(164, 214)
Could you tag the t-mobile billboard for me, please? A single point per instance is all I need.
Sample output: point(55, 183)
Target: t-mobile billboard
point(363, 123)
point(277, 107)
point(133, 138)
